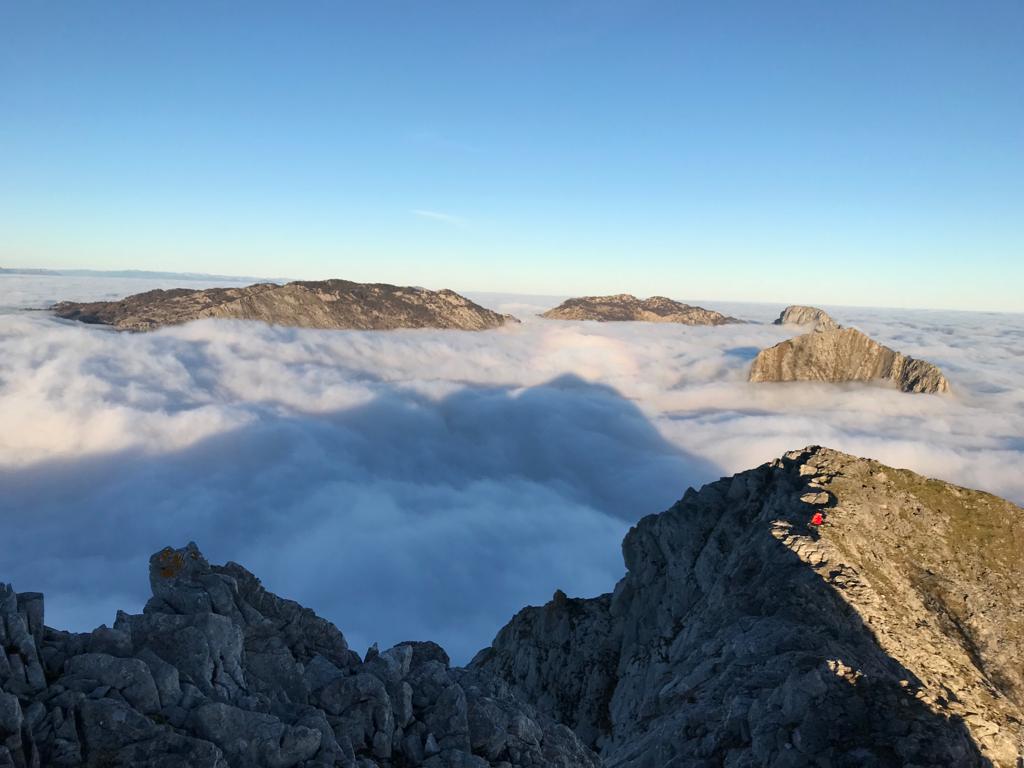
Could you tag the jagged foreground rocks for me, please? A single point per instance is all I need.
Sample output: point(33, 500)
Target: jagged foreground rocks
point(817, 319)
point(623, 306)
point(844, 355)
point(217, 672)
point(339, 304)
point(743, 635)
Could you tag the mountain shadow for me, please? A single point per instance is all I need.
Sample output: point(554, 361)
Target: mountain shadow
point(406, 516)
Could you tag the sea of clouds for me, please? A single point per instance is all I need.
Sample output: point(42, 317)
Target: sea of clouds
point(428, 484)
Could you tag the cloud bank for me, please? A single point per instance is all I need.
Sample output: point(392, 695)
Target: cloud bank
point(427, 484)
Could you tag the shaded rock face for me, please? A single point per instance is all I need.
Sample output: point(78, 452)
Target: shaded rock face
point(744, 635)
point(818, 319)
point(844, 355)
point(219, 673)
point(656, 309)
point(336, 304)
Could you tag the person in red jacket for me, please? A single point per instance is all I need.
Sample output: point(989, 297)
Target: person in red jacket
point(817, 519)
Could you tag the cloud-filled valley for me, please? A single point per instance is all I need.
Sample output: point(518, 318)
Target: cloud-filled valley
point(427, 484)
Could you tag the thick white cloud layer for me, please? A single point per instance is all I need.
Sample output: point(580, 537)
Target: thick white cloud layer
point(427, 484)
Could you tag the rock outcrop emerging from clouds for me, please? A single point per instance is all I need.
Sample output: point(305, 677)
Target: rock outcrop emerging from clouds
point(745, 635)
point(844, 355)
point(338, 304)
point(217, 672)
point(817, 319)
point(656, 309)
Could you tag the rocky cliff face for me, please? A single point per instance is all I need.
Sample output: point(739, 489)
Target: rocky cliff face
point(324, 304)
point(817, 319)
point(745, 635)
point(217, 673)
point(844, 355)
point(656, 309)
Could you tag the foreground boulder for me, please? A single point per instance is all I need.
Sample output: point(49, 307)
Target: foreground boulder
point(656, 309)
point(841, 356)
point(745, 635)
point(812, 317)
point(219, 673)
point(339, 304)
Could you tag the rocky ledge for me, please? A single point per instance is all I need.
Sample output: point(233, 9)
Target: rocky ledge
point(338, 304)
point(218, 672)
point(656, 309)
point(844, 355)
point(743, 634)
point(816, 319)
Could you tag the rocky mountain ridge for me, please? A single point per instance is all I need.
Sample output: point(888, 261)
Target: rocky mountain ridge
point(337, 304)
point(626, 307)
point(745, 635)
point(798, 314)
point(844, 355)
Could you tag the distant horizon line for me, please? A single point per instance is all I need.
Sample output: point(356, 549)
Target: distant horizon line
point(201, 276)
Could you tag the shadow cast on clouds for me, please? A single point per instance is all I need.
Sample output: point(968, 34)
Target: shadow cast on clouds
point(402, 517)
point(75, 391)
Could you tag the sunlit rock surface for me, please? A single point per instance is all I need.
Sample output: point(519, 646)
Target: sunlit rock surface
point(656, 309)
point(322, 304)
point(817, 319)
point(844, 355)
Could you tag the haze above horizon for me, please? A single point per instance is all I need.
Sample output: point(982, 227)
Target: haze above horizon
point(858, 154)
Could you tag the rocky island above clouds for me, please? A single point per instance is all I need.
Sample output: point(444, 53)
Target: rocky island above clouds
point(625, 307)
point(817, 319)
point(844, 355)
point(338, 304)
point(742, 635)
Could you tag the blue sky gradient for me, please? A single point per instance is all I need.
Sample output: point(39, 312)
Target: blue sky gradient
point(834, 152)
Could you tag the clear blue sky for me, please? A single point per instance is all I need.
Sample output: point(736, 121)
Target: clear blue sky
point(834, 152)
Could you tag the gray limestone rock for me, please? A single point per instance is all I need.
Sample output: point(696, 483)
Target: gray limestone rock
point(254, 738)
point(817, 319)
point(574, 695)
point(744, 635)
point(318, 672)
point(21, 670)
point(306, 304)
point(623, 306)
point(115, 735)
point(842, 356)
point(10, 714)
point(217, 672)
point(130, 678)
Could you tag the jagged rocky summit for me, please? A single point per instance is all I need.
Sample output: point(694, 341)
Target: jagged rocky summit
point(656, 309)
point(338, 304)
point(217, 672)
point(744, 635)
point(817, 319)
point(844, 355)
